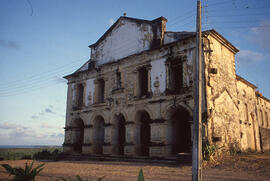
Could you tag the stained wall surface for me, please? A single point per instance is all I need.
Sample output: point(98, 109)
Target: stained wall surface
point(126, 112)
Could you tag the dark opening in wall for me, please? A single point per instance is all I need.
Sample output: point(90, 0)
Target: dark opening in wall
point(118, 79)
point(101, 90)
point(121, 134)
point(143, 82)
point(181, 131)
point(80, 93)
point(78, 132)
point(175, 76)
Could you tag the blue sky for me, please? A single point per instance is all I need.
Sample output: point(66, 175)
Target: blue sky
point(42, 41)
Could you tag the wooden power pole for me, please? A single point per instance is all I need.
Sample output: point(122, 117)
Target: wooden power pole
point(197, 115)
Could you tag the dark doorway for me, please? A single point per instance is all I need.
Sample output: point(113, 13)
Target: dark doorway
point(99, 134)
point(145, 132)
point(79, 135)
point(121, 134)
point(181, 131)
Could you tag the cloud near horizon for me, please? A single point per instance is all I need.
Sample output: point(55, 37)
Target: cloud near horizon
point(21, 135)
point(9, 126)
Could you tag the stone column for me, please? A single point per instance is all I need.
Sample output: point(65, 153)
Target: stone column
point(158, 140)
point(108, 145)
point(132, 146)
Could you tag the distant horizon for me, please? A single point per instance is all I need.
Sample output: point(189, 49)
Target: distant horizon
point(27, 146)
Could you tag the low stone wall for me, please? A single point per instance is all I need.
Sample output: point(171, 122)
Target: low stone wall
point(265, 139)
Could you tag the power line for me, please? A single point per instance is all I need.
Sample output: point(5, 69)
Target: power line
point(44, 73)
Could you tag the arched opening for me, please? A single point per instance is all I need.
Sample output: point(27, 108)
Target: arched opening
point(143, 119)
point(181, 131)
point(121, 133)
point(78, 135)
point(98, 137)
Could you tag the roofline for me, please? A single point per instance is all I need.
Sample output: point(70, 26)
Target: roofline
point(258, 94)
point(245, 81)
point(145, 51)
point(124, 17)
point(221, 39)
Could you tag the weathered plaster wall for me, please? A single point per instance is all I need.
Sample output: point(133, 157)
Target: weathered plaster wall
point(249, 132)
point(221, 94)
point(123, 101)
point(158, 74)
point(119, 43)
point(90, 88)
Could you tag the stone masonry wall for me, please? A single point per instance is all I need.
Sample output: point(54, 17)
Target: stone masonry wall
point(221, 94)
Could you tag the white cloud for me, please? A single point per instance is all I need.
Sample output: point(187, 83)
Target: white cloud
point(49, 126)
point(248, 56)
point(20, 135)
point(111, 21)
point(25, 133)
point(261, 35)
point(7, 125)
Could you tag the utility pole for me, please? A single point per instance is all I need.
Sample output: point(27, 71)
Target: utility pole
point(197, 115)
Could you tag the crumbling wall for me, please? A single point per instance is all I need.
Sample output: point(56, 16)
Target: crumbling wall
point(125, 39)
point(221, 94)
point(249, 135)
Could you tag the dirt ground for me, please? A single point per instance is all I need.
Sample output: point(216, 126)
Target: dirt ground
point(248, 167)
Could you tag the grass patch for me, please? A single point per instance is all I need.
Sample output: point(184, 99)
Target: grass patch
point(25, 153)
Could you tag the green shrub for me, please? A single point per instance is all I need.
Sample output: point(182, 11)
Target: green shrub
point(27, 174)
point(46, 155)
point(26, 157)
point(209, 151)
point(140, 176)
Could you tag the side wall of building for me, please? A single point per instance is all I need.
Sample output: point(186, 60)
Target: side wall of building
point(223, 125)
